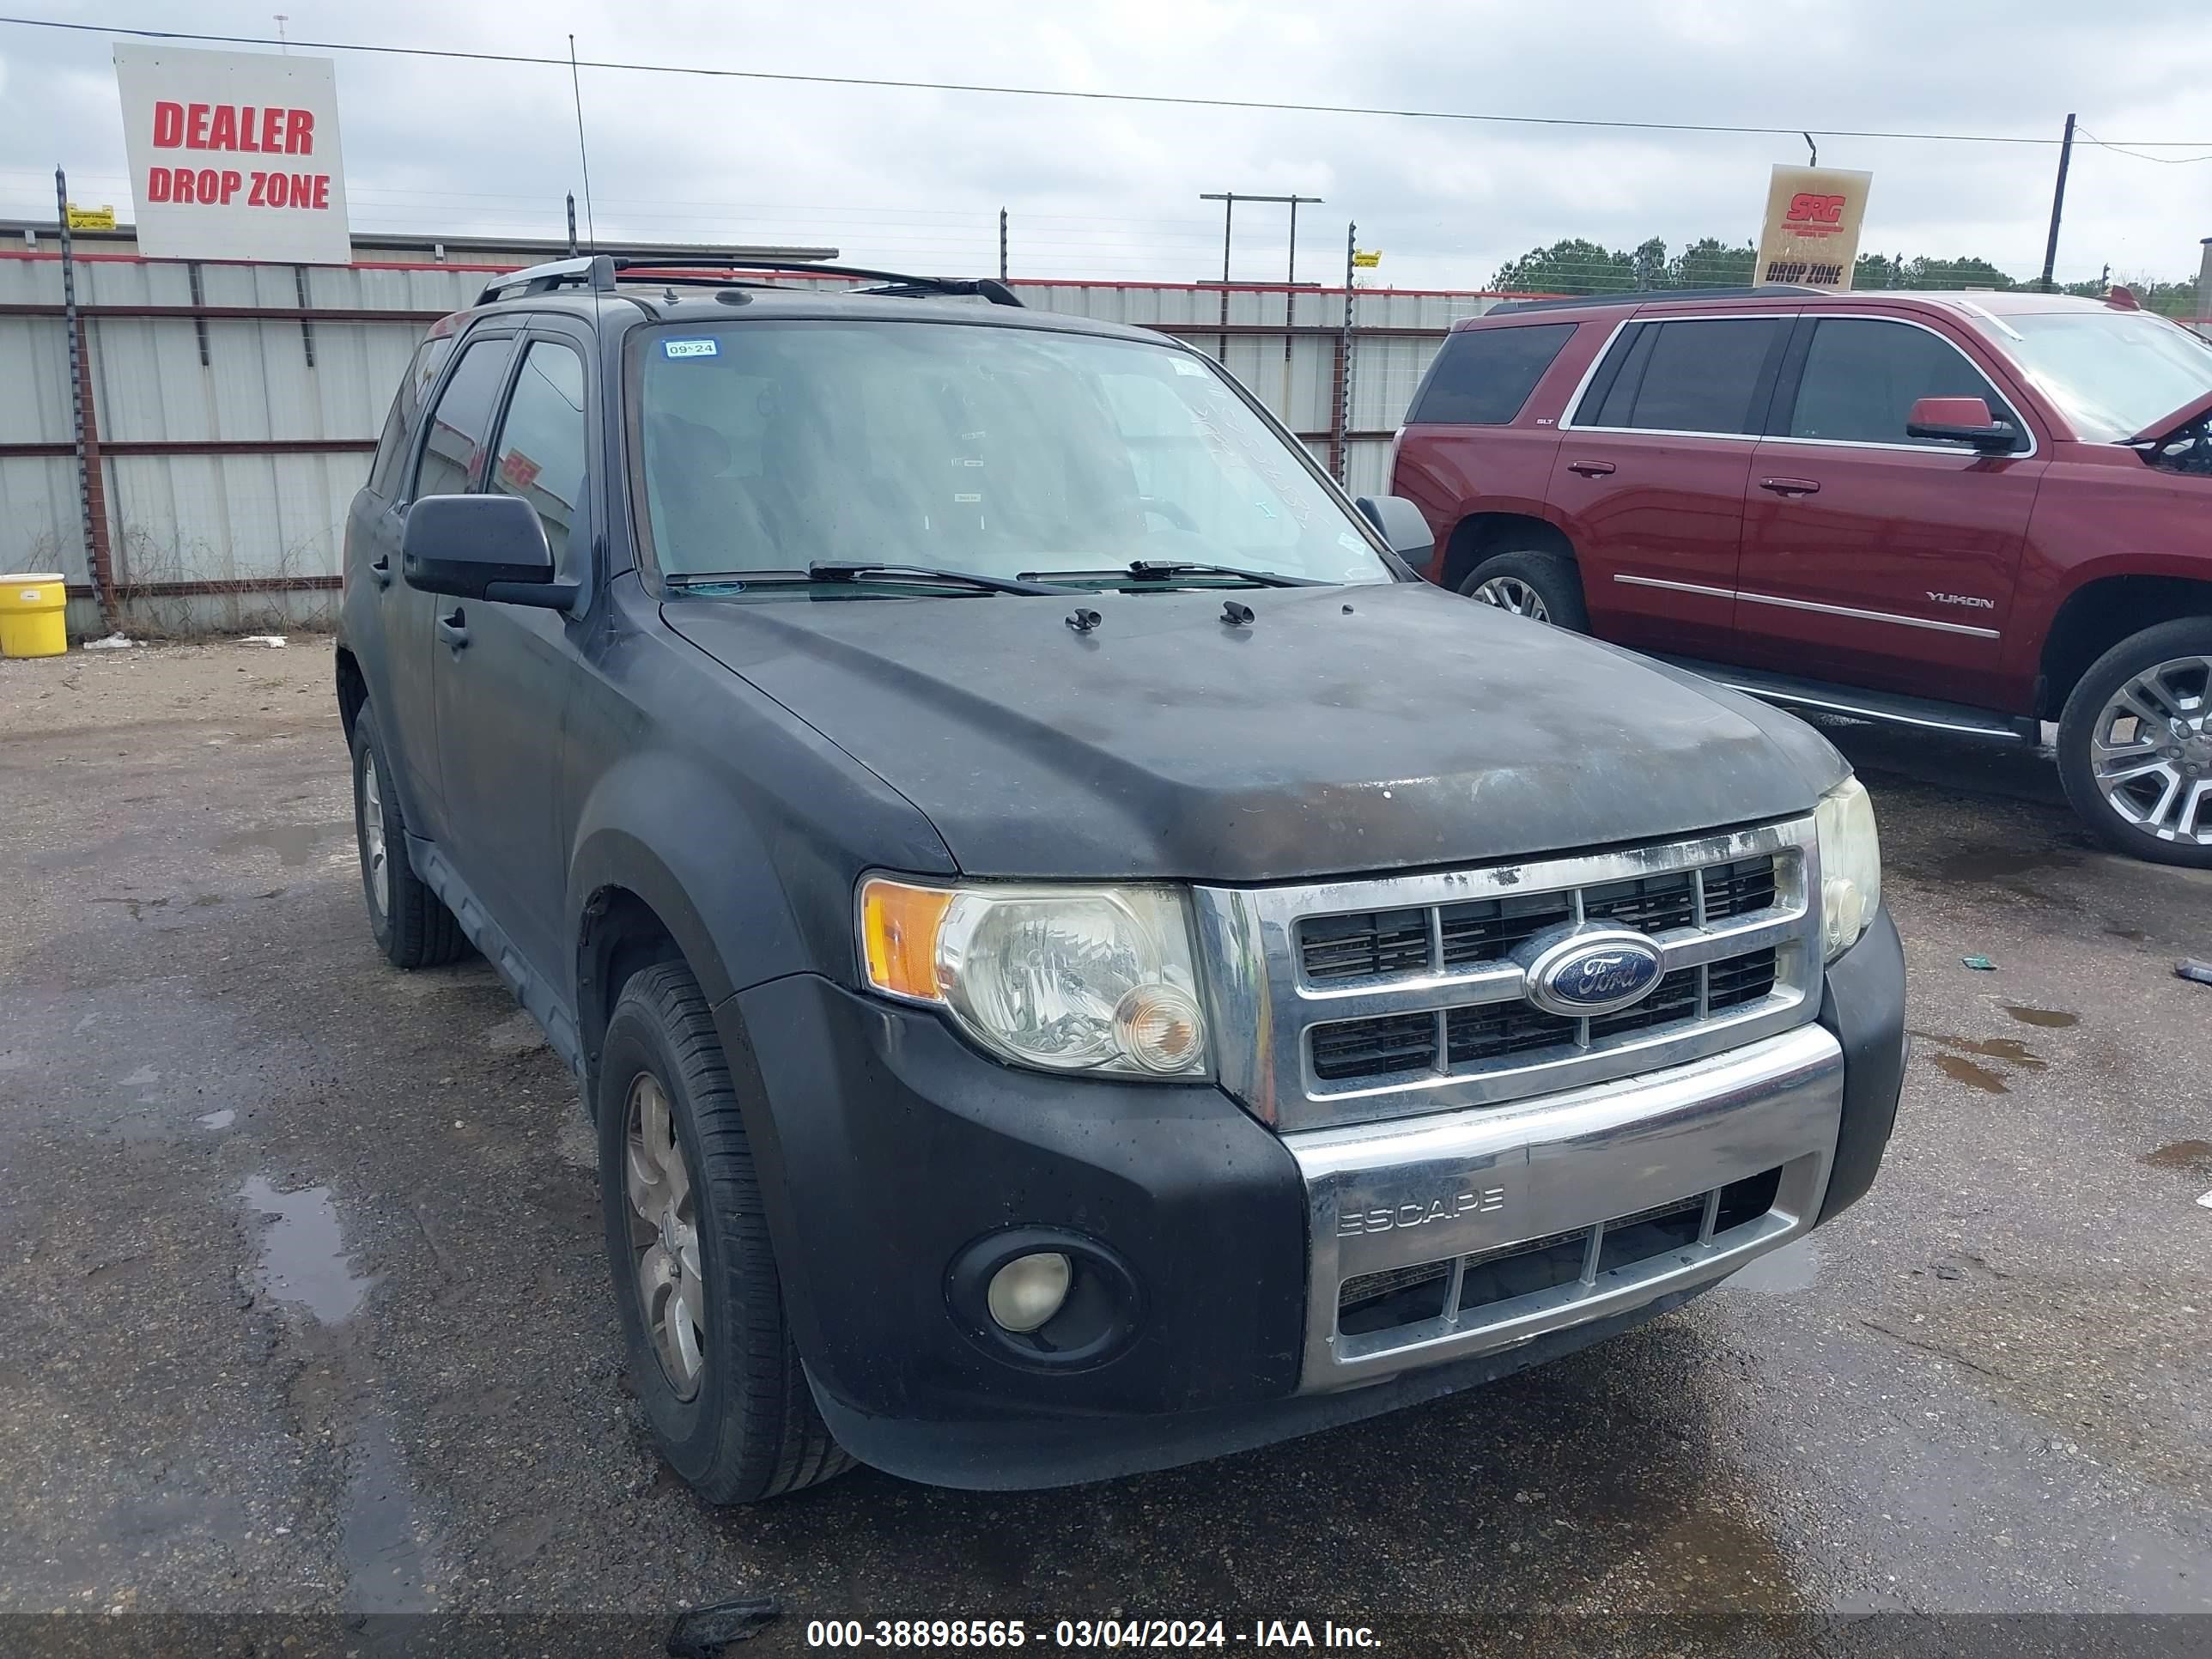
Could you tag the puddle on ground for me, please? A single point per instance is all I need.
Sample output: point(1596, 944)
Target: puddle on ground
point(1960, 1069)
point(376, 1533)
point(1955, 1066)
point(2194, 1156)
point(1785, 1271)
point(1986, 863)
point(222, 1120)
point(303, 1258)
point(2051, 1019)
point(293, 843)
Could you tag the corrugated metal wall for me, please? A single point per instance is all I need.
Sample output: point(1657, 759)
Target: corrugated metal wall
point(237, 406)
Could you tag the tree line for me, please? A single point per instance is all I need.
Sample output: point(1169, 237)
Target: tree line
point(1574, 265)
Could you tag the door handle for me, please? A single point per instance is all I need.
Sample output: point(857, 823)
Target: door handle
point(1790, 486)
point(380, 568)
point(453, 628)
point(1591, 469)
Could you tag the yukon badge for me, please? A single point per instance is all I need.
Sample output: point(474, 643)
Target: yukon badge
point(1578, 972)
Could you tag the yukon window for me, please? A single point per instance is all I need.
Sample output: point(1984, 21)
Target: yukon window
point(453, 452)
point(989, 450)
point(542, 441)
point(1863, 376)
point(1484, 377)
point(1700, 376)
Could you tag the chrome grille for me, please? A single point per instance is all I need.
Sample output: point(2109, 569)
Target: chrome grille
point(1366, 999)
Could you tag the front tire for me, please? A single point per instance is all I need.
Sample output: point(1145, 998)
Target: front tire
point(2135, 745)
point(1544, 587)
point(412, 926)
point(710, 1353)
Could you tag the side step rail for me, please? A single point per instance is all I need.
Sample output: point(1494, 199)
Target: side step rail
point(1890, 708)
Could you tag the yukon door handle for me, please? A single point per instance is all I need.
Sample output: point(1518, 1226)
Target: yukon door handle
point(380, 568)
point(1591, 469)
point(453, 628)
point(1790, 486)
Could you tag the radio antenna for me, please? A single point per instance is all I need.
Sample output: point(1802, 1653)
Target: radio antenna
point(576, 90)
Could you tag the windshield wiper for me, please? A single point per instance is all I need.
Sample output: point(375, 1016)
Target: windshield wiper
point(1164, 569)
point(862, 570)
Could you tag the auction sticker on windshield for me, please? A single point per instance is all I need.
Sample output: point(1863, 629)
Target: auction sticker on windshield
point(687, 348)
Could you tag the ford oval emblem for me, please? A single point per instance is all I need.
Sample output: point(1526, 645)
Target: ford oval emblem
point(1593, 971)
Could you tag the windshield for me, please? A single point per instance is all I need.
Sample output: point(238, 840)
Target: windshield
point(2112, 374)
point(991, 450)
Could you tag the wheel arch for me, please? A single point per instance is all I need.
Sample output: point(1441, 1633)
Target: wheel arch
point(1479, 535)
point(2098, 615)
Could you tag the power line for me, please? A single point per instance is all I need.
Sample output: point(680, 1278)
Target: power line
point(2121, 149)
point(1264, 105)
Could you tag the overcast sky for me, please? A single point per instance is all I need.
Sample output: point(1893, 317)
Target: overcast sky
point(916, 178)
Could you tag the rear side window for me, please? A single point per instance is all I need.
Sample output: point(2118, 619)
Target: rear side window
point(392, 448)
point(453, 453)
point(1699, 375)
point(1483, 377)
point(542, 442)
point(1863, 376)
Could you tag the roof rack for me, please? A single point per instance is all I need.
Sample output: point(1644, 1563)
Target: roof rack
point(1656, 295)
point(601, 272)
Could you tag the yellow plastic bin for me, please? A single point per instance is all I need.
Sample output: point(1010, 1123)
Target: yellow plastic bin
point(33, 607)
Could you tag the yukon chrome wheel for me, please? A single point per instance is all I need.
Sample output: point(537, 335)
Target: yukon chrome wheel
point(1511, 594)
point(2150, 750)
point(664, 1238)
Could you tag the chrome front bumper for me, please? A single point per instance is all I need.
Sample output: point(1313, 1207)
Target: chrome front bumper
point(1459, 1189)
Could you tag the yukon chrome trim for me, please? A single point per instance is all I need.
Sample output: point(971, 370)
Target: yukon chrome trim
point(1929, 623)
point(1265, 1011)
point(1437, 1190)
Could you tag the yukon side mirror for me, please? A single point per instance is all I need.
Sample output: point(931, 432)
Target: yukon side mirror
point(1961, 421)
point(481, 547)
point(1405, 531)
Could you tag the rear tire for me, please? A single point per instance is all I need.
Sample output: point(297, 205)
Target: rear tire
point(1543, 587)
point(412, 926)
point(710, 1353)
point(2135, 745)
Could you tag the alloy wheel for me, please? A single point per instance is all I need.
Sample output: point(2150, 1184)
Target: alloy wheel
point(374, 849)
point(664, 1231)
point(2150, 750)
point(1511, 594)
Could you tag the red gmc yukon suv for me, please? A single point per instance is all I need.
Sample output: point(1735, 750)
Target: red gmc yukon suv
point(1967, 512)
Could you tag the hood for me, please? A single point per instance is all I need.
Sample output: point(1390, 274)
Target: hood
point(1344, 730)
point(2167, 426)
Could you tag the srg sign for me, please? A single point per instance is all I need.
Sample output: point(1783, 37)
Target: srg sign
point(1810, 236)
point(234, 155)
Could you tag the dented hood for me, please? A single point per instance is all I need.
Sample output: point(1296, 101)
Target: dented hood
point(1343, 730)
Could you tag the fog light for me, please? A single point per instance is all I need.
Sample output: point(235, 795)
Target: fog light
point(1028, 1290)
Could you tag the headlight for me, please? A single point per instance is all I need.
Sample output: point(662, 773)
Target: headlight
point(1069, 979)
point(1850, 865)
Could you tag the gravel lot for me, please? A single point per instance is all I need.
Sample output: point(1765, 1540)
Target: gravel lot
point(303, 1309)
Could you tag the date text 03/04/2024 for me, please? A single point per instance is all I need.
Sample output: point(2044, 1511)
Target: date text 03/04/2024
point(939, 1633)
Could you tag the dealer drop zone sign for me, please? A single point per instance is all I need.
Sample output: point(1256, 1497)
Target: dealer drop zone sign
point(234, 155)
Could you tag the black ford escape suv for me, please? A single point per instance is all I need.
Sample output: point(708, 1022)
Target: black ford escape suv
point(1078, 961)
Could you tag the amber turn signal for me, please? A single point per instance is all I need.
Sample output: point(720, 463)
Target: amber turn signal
point(898, 927)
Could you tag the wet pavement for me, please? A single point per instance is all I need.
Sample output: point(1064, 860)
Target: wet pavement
point(303, 1309)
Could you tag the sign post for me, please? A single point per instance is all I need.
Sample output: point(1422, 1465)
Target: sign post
point(1810, 236)
point(234, 155)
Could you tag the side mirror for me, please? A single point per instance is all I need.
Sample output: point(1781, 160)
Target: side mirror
point(481, 547)
point(1961, 421)
point(1405, 531)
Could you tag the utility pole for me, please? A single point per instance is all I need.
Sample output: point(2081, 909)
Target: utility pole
point(572, 224)
point(2057, 205)
point(1002, 245)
